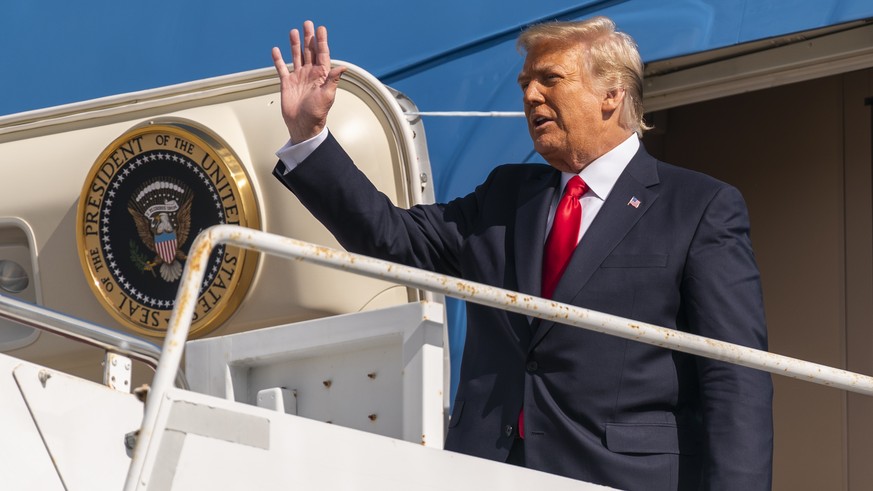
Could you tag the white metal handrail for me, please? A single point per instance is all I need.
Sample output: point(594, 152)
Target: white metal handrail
point(467, 114)
point(48, 320)
point(198, 256)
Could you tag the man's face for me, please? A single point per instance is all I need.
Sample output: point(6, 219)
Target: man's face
point(564, 112)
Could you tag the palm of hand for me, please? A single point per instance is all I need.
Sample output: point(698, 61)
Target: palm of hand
point(307, 96)
point(309, 90)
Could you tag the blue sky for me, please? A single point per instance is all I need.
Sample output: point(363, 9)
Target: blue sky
point(55, 52)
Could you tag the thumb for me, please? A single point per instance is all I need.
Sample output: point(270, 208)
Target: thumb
point(335, 74)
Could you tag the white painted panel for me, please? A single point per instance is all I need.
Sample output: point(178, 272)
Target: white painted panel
point(379, 371)
point(306, 454)
point(25, 463)
point(83, 425)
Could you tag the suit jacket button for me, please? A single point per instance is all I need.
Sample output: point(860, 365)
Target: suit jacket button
point(507, 430)
point(531, 367)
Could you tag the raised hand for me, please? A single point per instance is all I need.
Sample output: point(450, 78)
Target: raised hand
point(307, 91)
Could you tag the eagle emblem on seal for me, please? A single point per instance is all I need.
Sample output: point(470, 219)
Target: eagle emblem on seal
point(161, 210)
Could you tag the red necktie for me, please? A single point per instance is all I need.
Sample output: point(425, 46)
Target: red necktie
point(560, 245)
point(563, 236)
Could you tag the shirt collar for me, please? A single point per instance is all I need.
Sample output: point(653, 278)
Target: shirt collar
point(602, 174)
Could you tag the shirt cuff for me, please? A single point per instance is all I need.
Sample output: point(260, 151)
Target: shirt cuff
point(292, 155)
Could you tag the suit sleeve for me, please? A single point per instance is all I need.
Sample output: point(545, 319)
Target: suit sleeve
point(365, 221)
point(722, 299)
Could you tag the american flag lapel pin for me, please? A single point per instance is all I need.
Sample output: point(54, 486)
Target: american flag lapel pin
point(634, 202)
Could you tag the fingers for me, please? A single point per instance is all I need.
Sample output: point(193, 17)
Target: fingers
point(295, 47)
point(309, 48)
point(279, 63)
point(315, 48)
point(322, 51)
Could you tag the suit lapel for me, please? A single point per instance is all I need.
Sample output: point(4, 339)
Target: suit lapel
point(613, 222)
point(530, 230)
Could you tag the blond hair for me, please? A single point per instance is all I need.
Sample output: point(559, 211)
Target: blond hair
point(610, 58)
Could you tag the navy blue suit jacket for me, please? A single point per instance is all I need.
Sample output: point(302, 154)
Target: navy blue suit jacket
point(597, 408)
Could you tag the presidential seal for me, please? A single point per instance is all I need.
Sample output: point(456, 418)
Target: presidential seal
point(150, 192)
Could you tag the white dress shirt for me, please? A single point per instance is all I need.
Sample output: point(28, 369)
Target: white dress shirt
point(291, 155)
point(600, 176)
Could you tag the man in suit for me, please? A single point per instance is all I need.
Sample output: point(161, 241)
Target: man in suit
point(634, 237)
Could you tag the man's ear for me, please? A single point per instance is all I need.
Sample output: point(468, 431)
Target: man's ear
point(612, 100)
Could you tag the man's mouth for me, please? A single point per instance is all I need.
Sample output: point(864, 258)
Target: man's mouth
point(539, 121)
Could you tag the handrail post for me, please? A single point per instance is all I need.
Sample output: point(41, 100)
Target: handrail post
point(174, 343)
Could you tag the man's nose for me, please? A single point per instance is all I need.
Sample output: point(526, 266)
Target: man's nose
point(532, 93)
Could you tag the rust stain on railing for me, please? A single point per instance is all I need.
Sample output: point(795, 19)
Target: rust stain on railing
point(180, 320)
